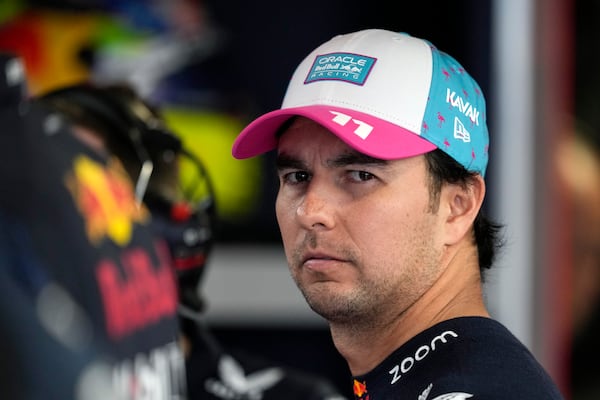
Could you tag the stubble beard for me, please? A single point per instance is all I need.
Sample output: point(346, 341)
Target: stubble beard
point(322, 297)
point(348, 307)
point(339, 308)
point(370, 303)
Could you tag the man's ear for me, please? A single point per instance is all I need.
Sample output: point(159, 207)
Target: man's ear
point(463, 202)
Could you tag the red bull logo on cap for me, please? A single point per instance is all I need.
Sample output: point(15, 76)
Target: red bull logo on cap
point(348, 67)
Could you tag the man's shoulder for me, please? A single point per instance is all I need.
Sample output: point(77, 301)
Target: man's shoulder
point(459, 359)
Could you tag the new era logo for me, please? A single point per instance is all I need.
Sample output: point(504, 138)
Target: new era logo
point(460, 132)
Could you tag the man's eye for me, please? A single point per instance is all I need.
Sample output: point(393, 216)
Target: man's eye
point(361, 175)
point(296, 177)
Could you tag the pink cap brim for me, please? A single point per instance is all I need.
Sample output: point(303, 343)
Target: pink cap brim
point(385, 140)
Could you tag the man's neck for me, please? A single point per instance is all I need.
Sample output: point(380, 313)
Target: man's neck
point(456, 293)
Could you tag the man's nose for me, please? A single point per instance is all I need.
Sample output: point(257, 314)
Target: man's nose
point(315, 210)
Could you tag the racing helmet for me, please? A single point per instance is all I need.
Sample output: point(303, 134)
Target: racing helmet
point(171, 181)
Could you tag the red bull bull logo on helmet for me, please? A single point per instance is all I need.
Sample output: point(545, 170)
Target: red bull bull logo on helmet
point(104, 197)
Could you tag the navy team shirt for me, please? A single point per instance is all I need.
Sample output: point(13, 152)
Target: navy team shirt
point(462, 358)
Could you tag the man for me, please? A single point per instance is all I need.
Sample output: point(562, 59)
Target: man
point(179, 195)
point(382, 148)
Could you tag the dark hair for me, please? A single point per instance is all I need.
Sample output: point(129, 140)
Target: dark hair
point(486, 233)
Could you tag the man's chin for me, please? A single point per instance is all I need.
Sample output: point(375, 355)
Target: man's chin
point(323, 299)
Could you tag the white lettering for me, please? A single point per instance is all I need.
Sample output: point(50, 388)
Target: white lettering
point(407, 364)
point(340, 118)
point(463, 106)
point(327, 67)
point(159, 375)
point(334, 74)
point(344, 59)
point(442, 338)
point(395, 374)
point(422, 352)
point(363, 130)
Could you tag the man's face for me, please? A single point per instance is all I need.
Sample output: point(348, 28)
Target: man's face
point(359, 235)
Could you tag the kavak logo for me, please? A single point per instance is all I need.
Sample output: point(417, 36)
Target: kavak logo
point(105, 198)
point(464, 106)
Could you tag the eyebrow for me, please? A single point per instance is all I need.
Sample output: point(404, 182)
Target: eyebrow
point(284, 161)
point(350, 158)
point(354, 158)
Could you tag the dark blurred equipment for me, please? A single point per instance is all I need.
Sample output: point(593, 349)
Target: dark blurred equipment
point(13, 86)
point(170, 181)
point(87, 309)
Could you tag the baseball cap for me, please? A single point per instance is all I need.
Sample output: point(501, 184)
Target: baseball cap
point(386, 94)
